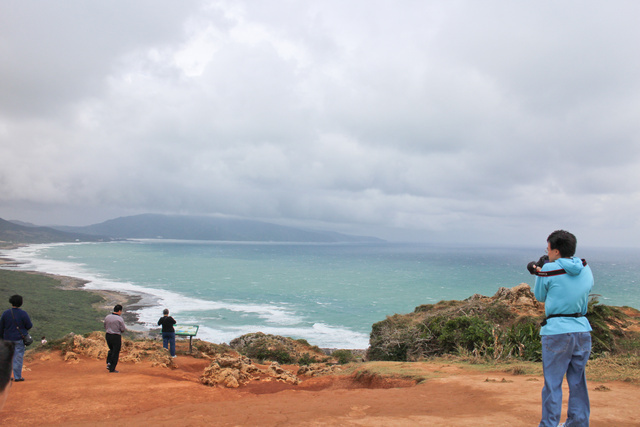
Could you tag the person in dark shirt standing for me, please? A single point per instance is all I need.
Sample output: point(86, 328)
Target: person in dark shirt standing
point(168, 332)
point(114, 327)
point(14, 325)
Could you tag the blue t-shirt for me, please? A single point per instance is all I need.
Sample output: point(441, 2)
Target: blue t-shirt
point(565, 294)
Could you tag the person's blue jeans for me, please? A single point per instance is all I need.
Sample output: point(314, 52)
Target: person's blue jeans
point(18, 357)
point(565, 354)
point(169, 341)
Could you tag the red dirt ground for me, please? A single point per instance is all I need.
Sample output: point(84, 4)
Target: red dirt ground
point(84, 393)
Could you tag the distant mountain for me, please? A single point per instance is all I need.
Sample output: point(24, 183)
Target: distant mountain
point(16, 233)
point(22, 223)
point(152, 226)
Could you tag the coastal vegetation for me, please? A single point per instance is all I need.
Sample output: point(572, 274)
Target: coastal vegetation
point(54, 311)
point(266, 347)
point(503, 327)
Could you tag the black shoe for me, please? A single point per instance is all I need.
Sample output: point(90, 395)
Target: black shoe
point(114, 372)
point(18, 380)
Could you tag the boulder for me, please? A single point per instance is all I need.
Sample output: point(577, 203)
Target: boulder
point(234, 371)
point(229, 371)
point(318, 369)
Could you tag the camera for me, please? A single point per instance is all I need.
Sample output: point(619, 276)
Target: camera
point(533, 264)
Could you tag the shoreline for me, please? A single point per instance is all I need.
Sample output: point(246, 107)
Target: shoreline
point(135, 303)
point(131, 302)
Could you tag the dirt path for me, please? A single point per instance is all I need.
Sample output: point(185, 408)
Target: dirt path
point(84, 393)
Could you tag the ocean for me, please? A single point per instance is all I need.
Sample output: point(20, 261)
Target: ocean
point(328, 294)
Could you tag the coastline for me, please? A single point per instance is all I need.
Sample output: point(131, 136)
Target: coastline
point(141, 306)
point(131, 302)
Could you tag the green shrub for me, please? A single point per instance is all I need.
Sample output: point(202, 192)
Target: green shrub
point(307, 359)
point(523, 338)
point(344, 356)
point(390, 339)
point(606, 322)
point(499, 313)
point(262, 351)
point(470, 333)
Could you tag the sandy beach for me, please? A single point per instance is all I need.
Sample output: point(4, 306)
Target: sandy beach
point(81, 392)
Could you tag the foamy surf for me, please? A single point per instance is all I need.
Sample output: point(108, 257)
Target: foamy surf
point(276, 319)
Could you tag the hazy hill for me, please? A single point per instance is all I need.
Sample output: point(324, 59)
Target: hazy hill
point(151, 226)
point(16, 233)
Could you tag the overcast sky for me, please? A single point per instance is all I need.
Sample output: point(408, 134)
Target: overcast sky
point(492, 122)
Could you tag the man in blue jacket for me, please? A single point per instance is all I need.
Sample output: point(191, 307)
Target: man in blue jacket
point(564, 284)
point(14, 324)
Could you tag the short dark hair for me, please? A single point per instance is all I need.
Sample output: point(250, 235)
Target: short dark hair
point(564, 242)
point(117, 308)
point(165, 311)
point(6, 355)
point(16, 300)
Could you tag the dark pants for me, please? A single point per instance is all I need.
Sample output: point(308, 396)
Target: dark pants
point(114, 341)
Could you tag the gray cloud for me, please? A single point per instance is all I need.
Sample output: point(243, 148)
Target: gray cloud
point(450, 121)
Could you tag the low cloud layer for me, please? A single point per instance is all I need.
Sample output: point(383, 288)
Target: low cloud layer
point(451, 121)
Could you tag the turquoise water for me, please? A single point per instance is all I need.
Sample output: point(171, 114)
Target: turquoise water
point(328, 294)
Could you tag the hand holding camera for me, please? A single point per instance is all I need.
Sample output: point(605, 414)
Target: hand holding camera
point(535, 266)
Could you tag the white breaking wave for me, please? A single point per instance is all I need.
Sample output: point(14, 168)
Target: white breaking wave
point(278, 320)
point(319, 334)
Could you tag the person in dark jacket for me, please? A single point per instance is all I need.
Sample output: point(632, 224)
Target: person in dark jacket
point(14, 324)
point(168, 332)
point(6, 356)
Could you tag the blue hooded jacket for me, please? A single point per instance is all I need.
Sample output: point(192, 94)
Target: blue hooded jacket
point(565, 294)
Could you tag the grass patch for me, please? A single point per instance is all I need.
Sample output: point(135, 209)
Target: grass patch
point(622, 367)
point(407, 370)
point(54, 312)
point(602, 369)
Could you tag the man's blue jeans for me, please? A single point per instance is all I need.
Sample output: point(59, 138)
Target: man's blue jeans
point(18, 357)
point(169, 339)
point(565, 354)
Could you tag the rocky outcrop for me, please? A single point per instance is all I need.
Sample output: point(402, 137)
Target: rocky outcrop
point(504, 325)
point(234, 371)
point(276, 372)
point(267, 347)
point(229, 371)
point(520, 300)
point(318, 369)
point(94, 346)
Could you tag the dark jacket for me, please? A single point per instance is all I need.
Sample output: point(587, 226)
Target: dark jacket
point(8, 330)
point(167, 323)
